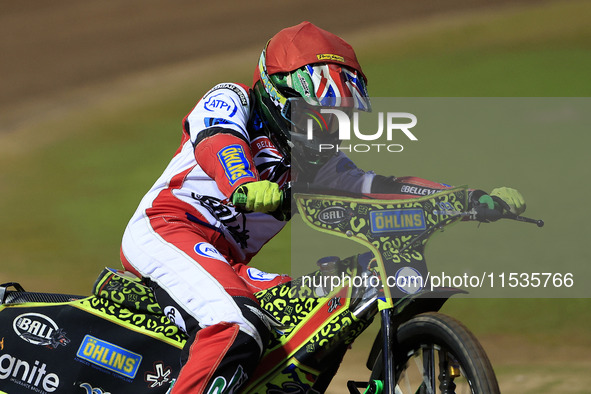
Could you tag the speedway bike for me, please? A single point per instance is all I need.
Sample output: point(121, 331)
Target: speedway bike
point(119, 340)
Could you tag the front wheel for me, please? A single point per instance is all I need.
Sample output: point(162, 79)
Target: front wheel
point(434, 354)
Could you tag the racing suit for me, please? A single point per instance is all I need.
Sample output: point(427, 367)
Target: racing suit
point(192, 247)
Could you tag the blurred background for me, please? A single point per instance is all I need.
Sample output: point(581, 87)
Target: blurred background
point(92, 95)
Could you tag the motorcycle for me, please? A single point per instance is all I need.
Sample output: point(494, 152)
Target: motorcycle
point(119, 340)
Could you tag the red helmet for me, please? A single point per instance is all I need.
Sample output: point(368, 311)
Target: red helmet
point(303, 44)
point(309, 63)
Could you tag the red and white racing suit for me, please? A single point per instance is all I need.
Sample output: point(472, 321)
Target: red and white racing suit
point(192, 247)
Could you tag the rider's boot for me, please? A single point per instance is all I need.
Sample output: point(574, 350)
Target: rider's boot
point(219, 360)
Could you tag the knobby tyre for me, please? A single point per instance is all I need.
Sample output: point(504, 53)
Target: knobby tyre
point(436, 354)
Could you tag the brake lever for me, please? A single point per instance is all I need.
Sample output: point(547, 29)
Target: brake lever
point(509, 215)
point(483, 214)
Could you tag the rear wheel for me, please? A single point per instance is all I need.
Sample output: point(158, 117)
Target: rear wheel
point(434, 354)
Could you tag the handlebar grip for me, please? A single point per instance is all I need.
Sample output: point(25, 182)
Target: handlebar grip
point(283, 212)
point(239, 198)
point(484, 214)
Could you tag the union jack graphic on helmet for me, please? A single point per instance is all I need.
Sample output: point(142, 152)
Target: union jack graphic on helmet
point(338, 86)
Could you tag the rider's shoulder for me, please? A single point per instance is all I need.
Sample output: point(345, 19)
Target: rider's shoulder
point(225, 100)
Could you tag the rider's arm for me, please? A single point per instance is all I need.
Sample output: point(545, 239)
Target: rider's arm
point(410, 186)
point(226, 158)
point(407, 186)
point(501, 199)
point(342, 174)
point(217, 129)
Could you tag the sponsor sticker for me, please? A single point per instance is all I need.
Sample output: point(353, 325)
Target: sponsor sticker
point(92, 390)
point(330, 57)
point(263, 144)
point(274, 94)
point(419, 191)
point(233, 88)
point(220, 385)
point(159, 376)
point(386, 221)
point(333, 304)
point(175, 318)
point(208, 250)
point(38, 329)
point(236, 166)
point(409, 280)
point(109, 356)
point(268, 160)
point(445, 205)
point(33, 376)
point(261, 276)
point(221, 102)
point(332, 215)
point(217, 121)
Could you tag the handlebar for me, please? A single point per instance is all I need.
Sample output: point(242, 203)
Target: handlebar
point(483, 214)
point(480, 213)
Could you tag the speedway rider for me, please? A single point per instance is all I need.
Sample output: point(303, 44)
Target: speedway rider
point(192, 245)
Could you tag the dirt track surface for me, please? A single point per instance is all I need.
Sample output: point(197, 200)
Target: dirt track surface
point(49, 47)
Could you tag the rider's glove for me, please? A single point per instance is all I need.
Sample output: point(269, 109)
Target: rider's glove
point(502, 199)
point(259, 196)
point(509, 200)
